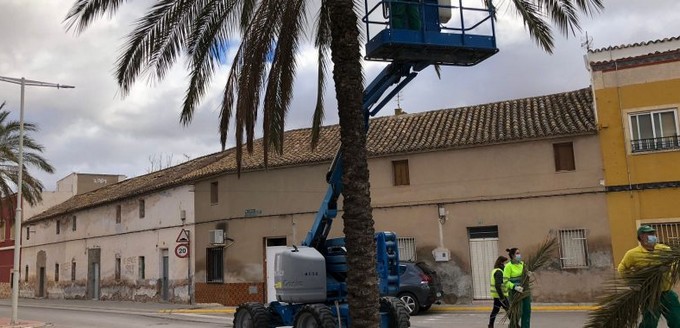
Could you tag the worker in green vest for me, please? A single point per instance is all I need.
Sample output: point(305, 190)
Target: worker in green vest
point(513, 274)
point(638, 258)
point(498, 290)
point(404, 15)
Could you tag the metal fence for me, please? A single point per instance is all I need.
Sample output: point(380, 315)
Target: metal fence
point(651, 144)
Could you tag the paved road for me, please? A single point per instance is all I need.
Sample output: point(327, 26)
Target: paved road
point(87, 314)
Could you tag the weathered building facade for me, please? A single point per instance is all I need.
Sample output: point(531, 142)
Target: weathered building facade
point(67, 187)
point(468, 182)
point(117, 242)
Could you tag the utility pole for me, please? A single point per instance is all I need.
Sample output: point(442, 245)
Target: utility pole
point(17, 218)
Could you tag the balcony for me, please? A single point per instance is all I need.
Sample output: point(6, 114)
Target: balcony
point(655, 144)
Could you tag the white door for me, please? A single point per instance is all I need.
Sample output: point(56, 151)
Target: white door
point(483, 254)
point(271, 255)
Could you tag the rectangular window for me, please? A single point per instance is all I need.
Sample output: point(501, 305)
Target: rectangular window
point(117, 268)
point(657, 130)
point(141, 208)
point(214, 195)
point(214, 264)
point(400, 170)
point(573, 248)
point(28, 233)
point(564, 156)
point(3, 233)
point(73, 227)
point(141, 265)
point(668, 232)
point(58, 226)
point(56, 272)
point(118, 213)
point(73, 271)
point(26, 274)
point(407, 248)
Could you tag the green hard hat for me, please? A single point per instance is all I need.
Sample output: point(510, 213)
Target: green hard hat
point(645, 229)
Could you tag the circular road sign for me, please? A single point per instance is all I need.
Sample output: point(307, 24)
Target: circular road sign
point(182, 250)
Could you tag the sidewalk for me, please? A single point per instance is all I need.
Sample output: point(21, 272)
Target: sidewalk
point(5, 323)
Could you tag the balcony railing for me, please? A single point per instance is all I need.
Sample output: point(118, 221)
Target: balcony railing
point(654, 144)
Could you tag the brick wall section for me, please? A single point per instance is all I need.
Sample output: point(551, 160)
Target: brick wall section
point(5, 290)
point(231, 294)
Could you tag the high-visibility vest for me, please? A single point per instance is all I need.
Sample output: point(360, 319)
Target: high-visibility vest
point(494, 293)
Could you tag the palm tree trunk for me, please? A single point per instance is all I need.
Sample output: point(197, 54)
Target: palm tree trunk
point(362, 278)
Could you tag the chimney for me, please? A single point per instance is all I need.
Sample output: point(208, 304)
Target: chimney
point(399, 111)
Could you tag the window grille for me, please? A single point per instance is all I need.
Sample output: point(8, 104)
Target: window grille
point(215, 265)
point(56, 272)
point(407, 249)
point(573, 248)
point(667, 233)
point(73, 271)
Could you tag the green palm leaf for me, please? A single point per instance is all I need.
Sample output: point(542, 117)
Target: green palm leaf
point(543, 255)
point(625, 298)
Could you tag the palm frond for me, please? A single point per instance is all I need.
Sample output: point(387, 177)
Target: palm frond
point(206, 47)
point(323, 43)
point(534, 21)
point(85, 12)
point(627, 297)
point(543, 255)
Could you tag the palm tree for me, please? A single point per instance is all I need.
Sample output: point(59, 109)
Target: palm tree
point(271, 30)
point(9, 160)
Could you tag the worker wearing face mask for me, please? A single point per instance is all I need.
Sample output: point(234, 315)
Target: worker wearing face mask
point(513, 274)
point(637, 258)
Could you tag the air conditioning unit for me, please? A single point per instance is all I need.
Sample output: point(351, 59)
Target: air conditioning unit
point(216, 237)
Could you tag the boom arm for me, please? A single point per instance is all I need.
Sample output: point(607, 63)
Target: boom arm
point(399, 73)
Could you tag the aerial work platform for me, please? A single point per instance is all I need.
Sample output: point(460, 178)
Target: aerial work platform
point(430, 31)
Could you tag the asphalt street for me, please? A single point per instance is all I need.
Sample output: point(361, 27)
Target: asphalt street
point(108, 314)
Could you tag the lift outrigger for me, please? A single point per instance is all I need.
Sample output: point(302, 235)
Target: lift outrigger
point(310, 286)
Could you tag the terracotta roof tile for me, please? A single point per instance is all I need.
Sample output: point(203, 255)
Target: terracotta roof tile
point(549, 116)
point(637, 44)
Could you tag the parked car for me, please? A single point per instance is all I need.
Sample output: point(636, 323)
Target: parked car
point(419, 286)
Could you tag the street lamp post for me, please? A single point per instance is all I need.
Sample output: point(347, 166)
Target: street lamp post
point(17, 218)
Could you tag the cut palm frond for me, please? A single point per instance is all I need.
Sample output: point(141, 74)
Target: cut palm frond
point(627, 297)
point(536, 261)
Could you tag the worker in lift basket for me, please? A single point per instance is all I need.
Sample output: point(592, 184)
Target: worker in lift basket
point(639, 257)
point(404, 15)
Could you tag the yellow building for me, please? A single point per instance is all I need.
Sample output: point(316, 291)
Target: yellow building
point(637, 95)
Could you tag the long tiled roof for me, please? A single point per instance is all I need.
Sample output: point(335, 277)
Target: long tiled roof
point(550, 116)
point(637, 44)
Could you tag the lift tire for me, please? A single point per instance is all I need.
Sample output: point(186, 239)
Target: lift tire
point(411, 303)
point(251, 315)
point(396, 311)
point(315, 315)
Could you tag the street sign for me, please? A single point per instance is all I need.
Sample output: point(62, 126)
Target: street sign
point(183, 236)
point(182, 250)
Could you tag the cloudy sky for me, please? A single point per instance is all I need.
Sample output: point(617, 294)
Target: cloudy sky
point(91, 129)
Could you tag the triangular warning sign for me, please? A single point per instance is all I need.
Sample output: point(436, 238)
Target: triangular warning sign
point(183, 236)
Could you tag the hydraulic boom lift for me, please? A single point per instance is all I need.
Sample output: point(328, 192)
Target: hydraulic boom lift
point(310, 279)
